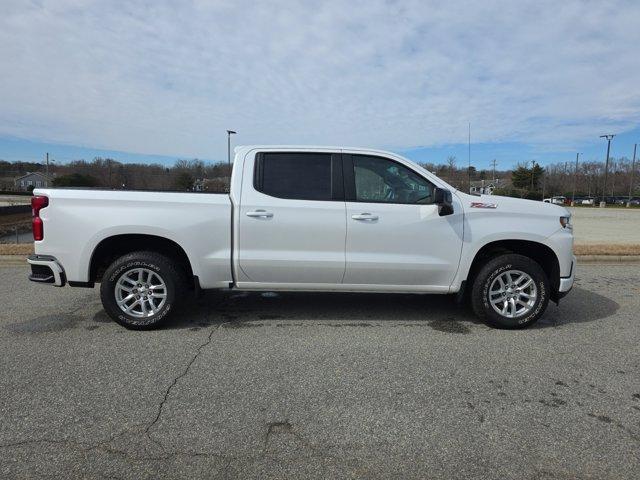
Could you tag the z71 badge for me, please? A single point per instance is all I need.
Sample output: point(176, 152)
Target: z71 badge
point(483, 205)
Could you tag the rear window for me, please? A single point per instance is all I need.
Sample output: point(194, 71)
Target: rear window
point(302, 176)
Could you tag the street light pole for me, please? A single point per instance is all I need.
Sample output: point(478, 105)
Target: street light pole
point(633, 171)
point(229, 133)
point(575, 181)
point(609, 137)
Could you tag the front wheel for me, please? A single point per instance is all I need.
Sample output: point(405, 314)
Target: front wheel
point(510, 291)
point(140, 289)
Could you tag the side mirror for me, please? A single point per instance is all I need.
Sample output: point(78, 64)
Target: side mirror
point(444, 200)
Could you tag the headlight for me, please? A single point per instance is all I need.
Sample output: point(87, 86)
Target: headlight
point(566, 222)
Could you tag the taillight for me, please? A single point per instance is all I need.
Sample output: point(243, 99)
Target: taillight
point(37, 204)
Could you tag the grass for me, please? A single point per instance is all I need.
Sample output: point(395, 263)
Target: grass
point(596, 249)
point(607, 249)
point(16, 248)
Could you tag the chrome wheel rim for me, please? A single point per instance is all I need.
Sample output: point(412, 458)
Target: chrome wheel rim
point(513, 294)
point(140, 292)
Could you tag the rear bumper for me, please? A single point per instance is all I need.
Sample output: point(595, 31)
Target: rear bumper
point(566, 283)
point(46, 269)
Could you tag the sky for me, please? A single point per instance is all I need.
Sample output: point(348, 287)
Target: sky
point(154, 81)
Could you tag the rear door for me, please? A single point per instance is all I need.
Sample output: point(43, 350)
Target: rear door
point(395, 235)
point(292, 222)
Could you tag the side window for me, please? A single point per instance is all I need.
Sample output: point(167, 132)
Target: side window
point(293, 175)
point(382, 180)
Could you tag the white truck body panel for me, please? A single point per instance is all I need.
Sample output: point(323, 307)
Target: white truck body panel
point(77, 220)
point(303, 241)
point(513, 219)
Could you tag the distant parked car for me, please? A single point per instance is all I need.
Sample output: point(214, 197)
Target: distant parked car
point(609, 200)
point(560, 200)
point(588, 201)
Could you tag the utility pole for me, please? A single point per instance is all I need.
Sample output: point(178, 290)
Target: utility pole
point(633, 171)
point(533, 164)
point(493, 163)
point(47, 167)
point(109, 165)
point(609, 137)
point(575, 181)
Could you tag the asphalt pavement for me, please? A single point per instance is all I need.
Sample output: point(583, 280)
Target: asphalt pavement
point(321, 386)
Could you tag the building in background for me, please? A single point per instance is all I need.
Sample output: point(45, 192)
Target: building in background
point(34, 180)
point(486, 187)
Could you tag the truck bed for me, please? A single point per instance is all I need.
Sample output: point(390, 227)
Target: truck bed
point(77, 220)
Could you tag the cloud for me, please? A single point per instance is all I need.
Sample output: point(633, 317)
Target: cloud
point(171, 77)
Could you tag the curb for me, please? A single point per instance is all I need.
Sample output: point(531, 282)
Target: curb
point(21, 260)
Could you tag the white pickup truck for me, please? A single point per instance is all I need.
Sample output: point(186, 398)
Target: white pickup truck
point(306, 219)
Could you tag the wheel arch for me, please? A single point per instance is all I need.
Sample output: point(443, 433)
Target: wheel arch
point(110, 248)
point(539, 252)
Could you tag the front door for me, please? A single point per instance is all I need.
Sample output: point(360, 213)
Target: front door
point(395, 235)
point(292, 219)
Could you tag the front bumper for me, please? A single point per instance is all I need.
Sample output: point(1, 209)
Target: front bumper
point(566, 283)
point(46, 269)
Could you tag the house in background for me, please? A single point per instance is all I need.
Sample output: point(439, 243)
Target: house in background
point(486, 187)
point(32, 179)
point(211, 185)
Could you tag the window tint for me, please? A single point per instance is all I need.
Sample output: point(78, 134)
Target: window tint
point(304, 176)
point(381, 180)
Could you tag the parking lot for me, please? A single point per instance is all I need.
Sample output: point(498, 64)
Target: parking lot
point(321, 386)
point(614, 226)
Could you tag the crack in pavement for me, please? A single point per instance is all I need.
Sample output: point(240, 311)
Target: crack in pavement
point(103, 446)
point(218, 308)
point(143, 428)
point(175, 380)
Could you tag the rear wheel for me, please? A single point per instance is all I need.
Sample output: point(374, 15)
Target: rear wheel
point(510, 291)
point(139, 290)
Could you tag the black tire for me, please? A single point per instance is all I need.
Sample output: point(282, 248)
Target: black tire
point(167, 270)
point(488, 273)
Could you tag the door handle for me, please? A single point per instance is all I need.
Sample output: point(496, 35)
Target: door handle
point(365, 216)
point(259, 214)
